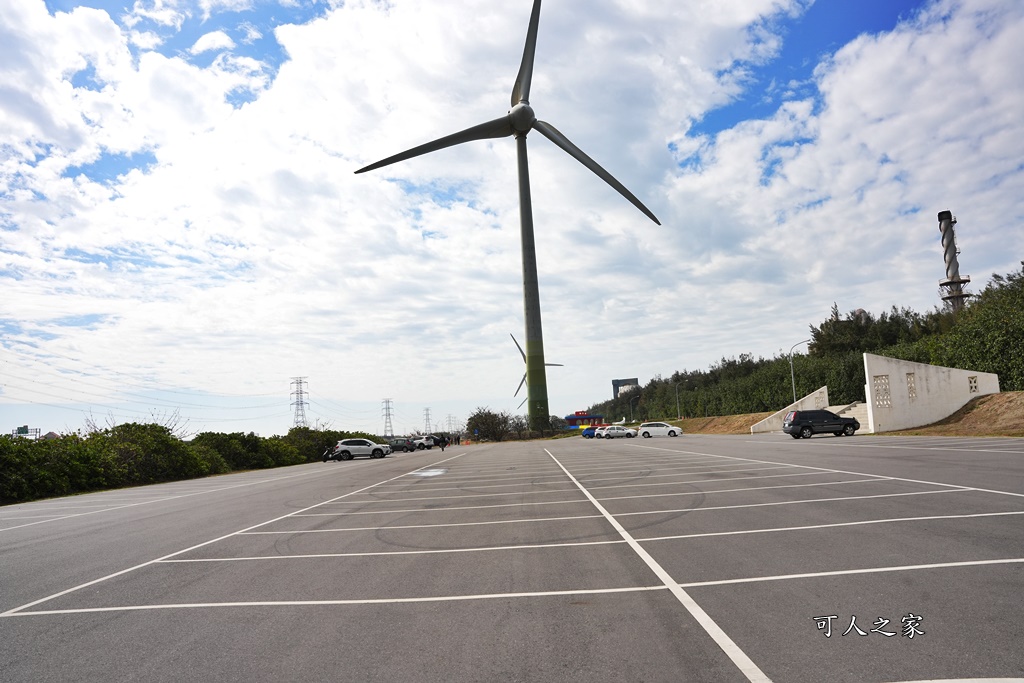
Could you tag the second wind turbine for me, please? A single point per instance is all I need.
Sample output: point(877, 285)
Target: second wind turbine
point(518, 122)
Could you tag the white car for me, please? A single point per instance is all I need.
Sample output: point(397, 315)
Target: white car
point(346, 449)
point(617, 431)
point(649, 429)
point(427, 441)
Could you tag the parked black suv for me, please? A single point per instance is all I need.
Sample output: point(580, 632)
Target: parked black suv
point(804, 423)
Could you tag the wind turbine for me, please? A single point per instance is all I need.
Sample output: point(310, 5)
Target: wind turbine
point(518, 122)
point(523, 381)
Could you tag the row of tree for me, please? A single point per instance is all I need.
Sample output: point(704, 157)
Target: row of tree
point(486, 425)
point(136, 454)
point(987, 335)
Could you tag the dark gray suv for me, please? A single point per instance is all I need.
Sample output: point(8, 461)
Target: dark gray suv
point(806, 423)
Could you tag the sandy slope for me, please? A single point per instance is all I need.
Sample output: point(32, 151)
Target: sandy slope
point(993, 415)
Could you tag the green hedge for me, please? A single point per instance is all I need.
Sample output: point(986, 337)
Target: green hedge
point(136, 454)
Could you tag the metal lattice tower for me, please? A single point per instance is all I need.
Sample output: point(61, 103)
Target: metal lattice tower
point(299, 394)
point(386, 410)
point(426, 420)
point(953, 286)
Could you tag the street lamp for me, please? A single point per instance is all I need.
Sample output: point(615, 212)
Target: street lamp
point(679, 415)
point(792, 375)
point(635, 398)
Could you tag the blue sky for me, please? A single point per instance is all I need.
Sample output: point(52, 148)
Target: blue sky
point(181, 231)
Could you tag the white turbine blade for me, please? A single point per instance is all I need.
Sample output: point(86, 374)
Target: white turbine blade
point(520, 385)
point(498, 128)
point(555, 365)
point(524, 401)
point(521, 90)
point(552, 133)
point(521, 352)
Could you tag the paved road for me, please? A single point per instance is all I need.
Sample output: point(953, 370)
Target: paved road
point(697, 558)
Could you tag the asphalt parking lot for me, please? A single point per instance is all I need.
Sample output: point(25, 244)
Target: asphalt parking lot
point(698, 558)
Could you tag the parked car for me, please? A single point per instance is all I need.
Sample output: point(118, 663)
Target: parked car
point(346, 449)
point(649, 429)
point(806, 423)
point(402, 443)
point(616, 431)
point(599, 432)
point(588, 433)
point(427, 441)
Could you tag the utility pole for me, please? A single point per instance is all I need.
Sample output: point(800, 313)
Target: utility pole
point(792, 375)
point(300, 401)
point(386, 410)
point(426, 420)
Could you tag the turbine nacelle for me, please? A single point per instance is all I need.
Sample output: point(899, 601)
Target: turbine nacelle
point(522, 118)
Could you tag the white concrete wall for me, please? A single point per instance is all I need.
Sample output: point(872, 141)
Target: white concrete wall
point(817, 400)
point(904, 395)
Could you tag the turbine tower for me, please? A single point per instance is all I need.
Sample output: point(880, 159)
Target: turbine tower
point(518, 122)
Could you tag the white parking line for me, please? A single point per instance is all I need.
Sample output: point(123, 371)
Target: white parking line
point(713, 481)
point(731, 649)
point(444, 509)
point(364, 501)
point(846, 572)
point(419, 526)
point(369, 601)
point(829, 526)
point(386, 553)
point(784, 502)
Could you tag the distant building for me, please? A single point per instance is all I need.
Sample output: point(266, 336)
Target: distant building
point(582, 419)
point(622, 385)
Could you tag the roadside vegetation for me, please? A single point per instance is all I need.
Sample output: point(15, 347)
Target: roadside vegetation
point(136, 454)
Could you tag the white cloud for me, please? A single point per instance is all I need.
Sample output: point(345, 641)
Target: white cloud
point(214, 40)
point(170, 13)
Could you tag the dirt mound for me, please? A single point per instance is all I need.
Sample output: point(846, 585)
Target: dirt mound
point(992, 415)
point(725, 424)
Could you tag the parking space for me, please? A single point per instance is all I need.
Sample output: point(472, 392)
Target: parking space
point(734, 558)
point(54, 510)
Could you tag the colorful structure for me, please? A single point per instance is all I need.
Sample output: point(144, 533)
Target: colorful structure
point(581, 419)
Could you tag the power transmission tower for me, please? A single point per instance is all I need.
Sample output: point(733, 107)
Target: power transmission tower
point(426, 420)
point(300, 401)
point(451, 423)
point(386, 409)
